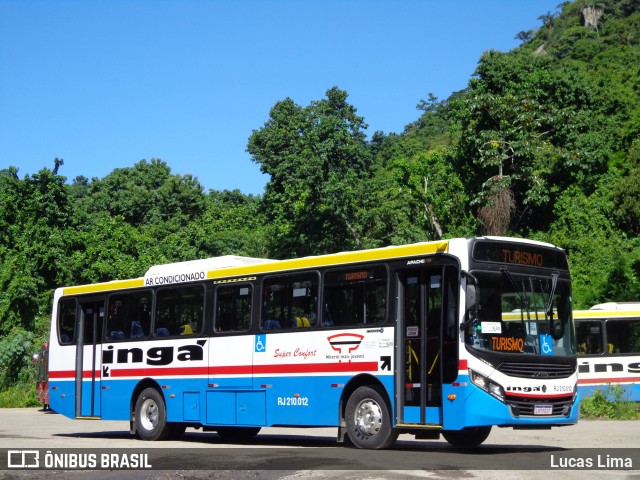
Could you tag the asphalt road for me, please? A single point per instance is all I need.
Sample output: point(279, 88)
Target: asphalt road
point(591, 449)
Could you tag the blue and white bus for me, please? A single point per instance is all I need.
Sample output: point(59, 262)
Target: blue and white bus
point(404, 339)
point(608, 339)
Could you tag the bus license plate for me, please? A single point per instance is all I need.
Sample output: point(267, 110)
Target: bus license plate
point(542, 409)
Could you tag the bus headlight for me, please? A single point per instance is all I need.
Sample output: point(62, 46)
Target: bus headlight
point(497, 391)
point(487, 385)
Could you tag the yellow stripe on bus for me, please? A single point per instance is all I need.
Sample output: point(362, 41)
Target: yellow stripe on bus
point(344, 258)
point(104, 287)
point(387, 253)
point(605, 313)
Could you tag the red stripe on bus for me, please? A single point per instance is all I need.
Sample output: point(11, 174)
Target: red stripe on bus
point(62, 374)
point(231, 370)
point(463, 365)
point(587, 381)
point(71, 374)
point(249, 370)
point(158, 372)
point(317, 367)
point(228, 370)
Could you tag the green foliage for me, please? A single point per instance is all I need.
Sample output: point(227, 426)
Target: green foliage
point(609, 404)
point(230, 225)
point(16, 350)
point(317, 159)
point(147, 194)
point(625, 193)
point(19, 395)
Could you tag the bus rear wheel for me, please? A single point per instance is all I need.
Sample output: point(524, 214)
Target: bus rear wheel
point(368, 419)
point(151, 416)
point(468, 437)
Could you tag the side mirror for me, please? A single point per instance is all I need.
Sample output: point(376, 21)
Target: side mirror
point(471, 298)
point(557, 328)
point(471, 305)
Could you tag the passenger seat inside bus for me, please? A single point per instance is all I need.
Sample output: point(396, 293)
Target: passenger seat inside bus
point(302, 322)
point(136, 330)
point(272, 325)
point(115, 335)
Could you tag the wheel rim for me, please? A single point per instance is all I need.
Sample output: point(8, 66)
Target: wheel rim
point(149, 414)
point(368, 418)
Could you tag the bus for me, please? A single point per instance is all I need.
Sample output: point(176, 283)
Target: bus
point(608, 342)
point(401, 339)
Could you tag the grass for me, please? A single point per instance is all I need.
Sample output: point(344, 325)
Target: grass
point(19, 396)
point(609, 404)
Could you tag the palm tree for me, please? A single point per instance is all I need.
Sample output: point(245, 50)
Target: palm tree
point(525, 37)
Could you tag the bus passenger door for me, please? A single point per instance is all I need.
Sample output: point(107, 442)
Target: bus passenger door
point(419, 336)
point(88, 358)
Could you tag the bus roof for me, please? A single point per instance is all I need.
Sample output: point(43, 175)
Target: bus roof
point(617, 306)
point(234, 266)
point(609, 310)
point(205, 264)
point(231, 266)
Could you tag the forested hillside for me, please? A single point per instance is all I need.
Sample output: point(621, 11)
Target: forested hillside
point(543, 143)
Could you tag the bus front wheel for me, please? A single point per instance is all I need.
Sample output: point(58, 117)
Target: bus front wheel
point(151, 416)
point(468, 437)
point(368, 419)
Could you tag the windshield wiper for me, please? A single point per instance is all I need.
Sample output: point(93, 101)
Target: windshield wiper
point(552, 293)
point(524, 304)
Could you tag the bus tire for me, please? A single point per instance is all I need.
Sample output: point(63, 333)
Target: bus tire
point(468, 437)
point(237, 434)
point(368, 419)
point(151, 416)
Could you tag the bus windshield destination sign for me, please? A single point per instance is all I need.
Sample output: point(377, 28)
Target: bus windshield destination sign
point(530, 256)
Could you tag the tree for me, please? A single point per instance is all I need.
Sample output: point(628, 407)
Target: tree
point(317, 159)
point(147, 193)
point(34, 214)
point(230, 225)
point(625, 194)
point(525, 36)
point(547, 19)
point(525, 133)
point(429, 196)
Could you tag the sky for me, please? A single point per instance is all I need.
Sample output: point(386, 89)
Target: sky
point(105, 84)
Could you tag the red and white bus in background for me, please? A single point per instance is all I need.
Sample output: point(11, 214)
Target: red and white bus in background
point(405, 339)
point(608, 338)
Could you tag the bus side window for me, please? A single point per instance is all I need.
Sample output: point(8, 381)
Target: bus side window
point(623, 335)
point(589, 338)
point(356, 296)
point(129, 315)
point(67, 321)
point(289, 301)
point(233, 308)
point(179, 311)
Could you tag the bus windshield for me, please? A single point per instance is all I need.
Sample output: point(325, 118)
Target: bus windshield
point(525, 314)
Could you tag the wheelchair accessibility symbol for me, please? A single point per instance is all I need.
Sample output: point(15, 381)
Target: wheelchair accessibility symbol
point(546, 344)
point(261, 343)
